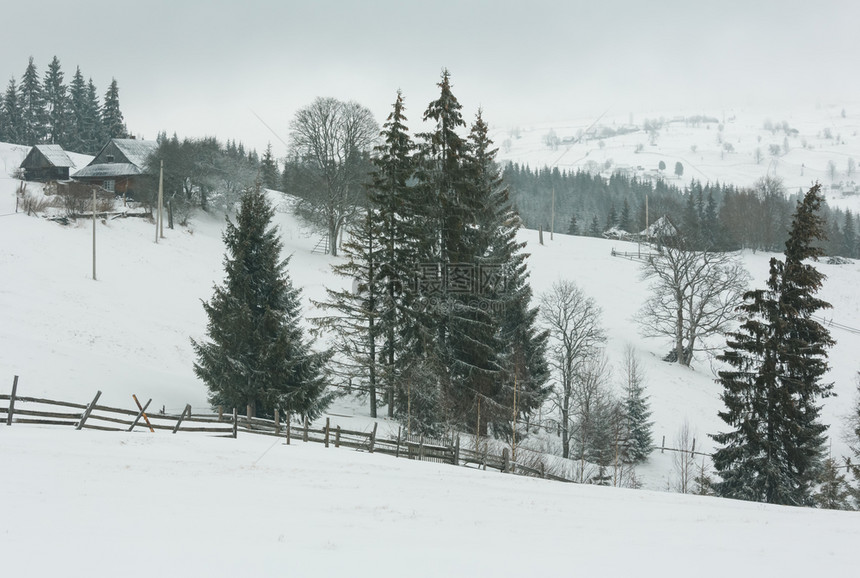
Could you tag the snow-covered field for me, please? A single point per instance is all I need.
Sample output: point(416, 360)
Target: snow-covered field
point(816, 137)
point(109, 504)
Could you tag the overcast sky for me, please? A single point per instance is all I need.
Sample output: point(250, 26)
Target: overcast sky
point(206, 68)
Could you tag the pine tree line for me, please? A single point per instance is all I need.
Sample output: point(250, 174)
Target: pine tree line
point(51, 111)
point(724, 217)
point(202, 173)
point(438, 327)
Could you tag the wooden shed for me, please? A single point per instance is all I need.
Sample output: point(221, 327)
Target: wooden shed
point(47, 162)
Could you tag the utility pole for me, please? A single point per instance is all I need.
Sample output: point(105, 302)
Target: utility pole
point(514, 428)
point(552, 221)
point(94, 234)
point(159, 220)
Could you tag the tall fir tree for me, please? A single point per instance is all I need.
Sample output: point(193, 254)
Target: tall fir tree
point(636, 411)
point(269, 169)
point(11, 123)
point(353, 313)
point(256, 355)
point(112, 120)
point(390, 195)
point(57, 108)
point(32, 106)
point(508, 342)
point(778, 357)
point(94, 133)
point(79, 108)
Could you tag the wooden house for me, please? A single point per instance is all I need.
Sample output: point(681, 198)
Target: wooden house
point(47, 162)
point(120, 167)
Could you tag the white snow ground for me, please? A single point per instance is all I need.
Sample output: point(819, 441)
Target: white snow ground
point(194, 504)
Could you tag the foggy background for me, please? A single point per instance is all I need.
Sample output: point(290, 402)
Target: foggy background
point(204, 68)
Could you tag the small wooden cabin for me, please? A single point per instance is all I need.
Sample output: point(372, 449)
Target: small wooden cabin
point(47, 162)
point(120, 167)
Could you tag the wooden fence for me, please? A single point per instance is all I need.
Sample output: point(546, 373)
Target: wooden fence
point(39, 411)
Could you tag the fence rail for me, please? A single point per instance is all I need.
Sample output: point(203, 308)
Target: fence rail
point(92, 416)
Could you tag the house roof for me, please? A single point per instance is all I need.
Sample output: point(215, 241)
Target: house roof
point(132, 156)
point(136, 151)
point(55, 155)
point(108, 170)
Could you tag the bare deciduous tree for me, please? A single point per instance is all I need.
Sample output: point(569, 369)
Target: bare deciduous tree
point(683, 460)
point(331, 142)
point(695, 294)
point(575, 337)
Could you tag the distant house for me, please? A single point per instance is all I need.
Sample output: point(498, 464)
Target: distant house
point(120, 167)
point(47, 162)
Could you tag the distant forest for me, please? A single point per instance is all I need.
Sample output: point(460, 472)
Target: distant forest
point(47, 110)
point(757, 217)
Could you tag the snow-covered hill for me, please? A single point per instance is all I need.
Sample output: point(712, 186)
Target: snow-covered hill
point(129, 332)
point(202, 505)
point(712, 145)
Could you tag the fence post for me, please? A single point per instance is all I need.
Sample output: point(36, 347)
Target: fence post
point(327, 422)
point(397, 451)
point(12, 399)
point(305, 434)
point(277, 423)
point(421, 449)
point(187, 410)
point(457, 450)
point(142, 413)
point(248, 413)
point(89, 410)
point(289, 426)
point(235, 423)
point(373, 437)
point(337, 437)
point(220, 413)
point(506, 459)
point(663, 445)
point(693, 449)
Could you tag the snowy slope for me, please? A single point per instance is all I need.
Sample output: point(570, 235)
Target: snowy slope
point(200, 505)
point(816, 137)
point(94, 504)
point(129, 332)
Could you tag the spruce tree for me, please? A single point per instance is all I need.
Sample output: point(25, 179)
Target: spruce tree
point(833, 493)
point(94, 133)
point(79, 108)
point(355, 311)
point(390, 195)
point(625, 222)
point(849, 236)
point(112, 121)
point(636, 411)
point(269, 169)
point(503, 334)
point(440, 219)
point(256, 355)
point(32, 106)
point(572, 227)
point(57, 109)
point(777, 358)
point(594, 229)
point(11, 125)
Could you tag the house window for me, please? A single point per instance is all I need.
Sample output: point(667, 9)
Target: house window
point(109, 158)
point(108, 186)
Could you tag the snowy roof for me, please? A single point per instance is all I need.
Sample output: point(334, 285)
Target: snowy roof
point(55, 155)
point(662, 227)
point(107, 170)
point(136, 151)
